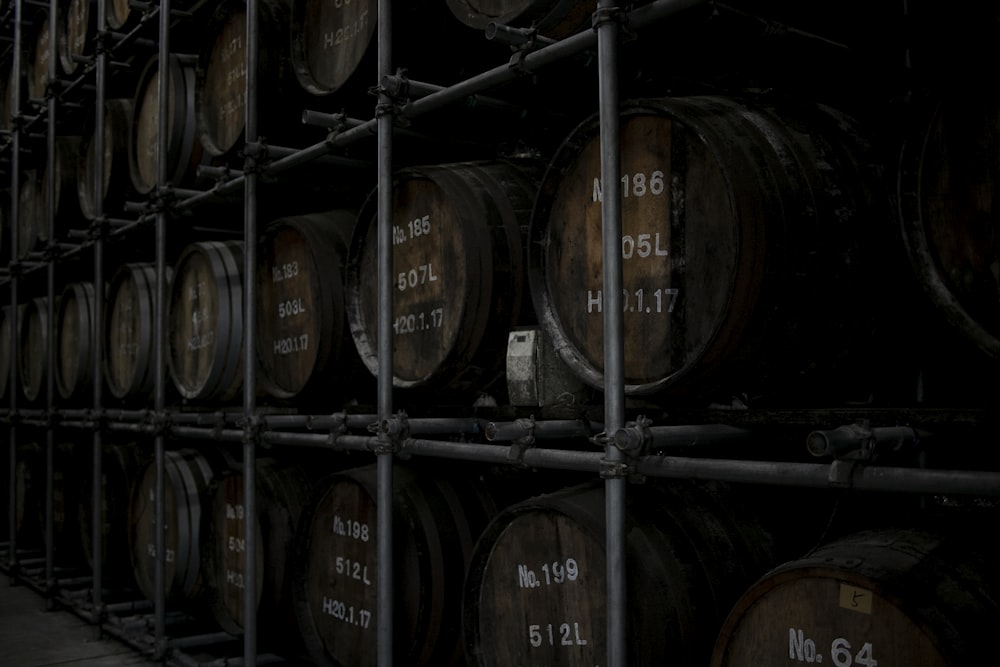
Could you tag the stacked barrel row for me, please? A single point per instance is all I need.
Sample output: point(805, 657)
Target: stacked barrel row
point(758, 247)
point(314, 56)
point(487, 576)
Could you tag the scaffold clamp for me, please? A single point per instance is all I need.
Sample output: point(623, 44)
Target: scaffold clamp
point(635, 438)
point(391, 432)
point(523, 442)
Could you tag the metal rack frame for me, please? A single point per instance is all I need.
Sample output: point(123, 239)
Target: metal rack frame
point(394, 433)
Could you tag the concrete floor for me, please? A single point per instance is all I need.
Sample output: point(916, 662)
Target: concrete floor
point(30, 636)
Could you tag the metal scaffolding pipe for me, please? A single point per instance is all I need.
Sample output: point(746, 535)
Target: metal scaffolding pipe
point(385, 456)
point(249, 341)
point(50, 222)
point(548, 55)
point(360, 443)
point(14, 253)
point(542, 429)
point(159, 328)
point(688, 435)
point(605, 22)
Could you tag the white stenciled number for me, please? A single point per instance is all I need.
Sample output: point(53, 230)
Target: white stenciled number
point(840, 652)
point(291, 345)
point(291, 307)
point(415, 322)
point(643, 245)
point(803, 649)
point(284, 271)
point(419, 275)
point(637, 301)
point(634, 185)
point(563, 634)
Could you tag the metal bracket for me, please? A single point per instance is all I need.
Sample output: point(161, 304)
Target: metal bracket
point(635, 438)
point(631, 440)
point(520, 444)
point(617, 15)
point(605, 15)
point(98, 228)
point(253, 429)
point(162, 198)
point(255, 157)
point(96, 419)
point(842, 473)
point(160, 422)
point(397, 89)
point(51, 419)
point(390, 432)
point(617, 469)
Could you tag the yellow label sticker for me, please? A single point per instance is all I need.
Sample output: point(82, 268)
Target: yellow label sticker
point(856, 599)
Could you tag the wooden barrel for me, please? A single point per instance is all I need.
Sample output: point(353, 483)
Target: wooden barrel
point(893, 597)
point(37, 38)
point(120, 467)
point(183, 146)
point(66, 205)
point(29, 496)
point(7, 108)
point(437, 521)
point(205, 321)
point(33, 362)
point(330, 41)
point(30, 489)
point(949, 224)
point(5, 226)
point(536, 592)
point(29, 220)
point(76, 30)
point(122, 15)
point(34, 217)
point(742, 232)
point(68, 469)
point(114, 187)
point(128, 331)
point(75, 344)
point(6, 332)
point(221, 87)
point(303, 339)
point(458, 272)
point(552, 18)
point(187, 475)
point(334, 48)
point(283, 490)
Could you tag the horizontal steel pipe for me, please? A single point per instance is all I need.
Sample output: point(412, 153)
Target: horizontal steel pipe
point(502, 74)
point(554, 428)
point(198, 432)
point(206, 418)
point(195, 641)
point(124, 427)
point(856, 476)
point(695, 435)
point(854, 437)
point(352, 442)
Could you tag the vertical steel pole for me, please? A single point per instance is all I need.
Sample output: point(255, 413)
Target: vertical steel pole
point(97, 326)
point(384, 576)
point(159, 325)
point(14, 254)
point(249, 345)
point(614, 347)
point(50, 198)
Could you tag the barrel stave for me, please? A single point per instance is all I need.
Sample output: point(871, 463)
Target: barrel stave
point(205, 315)
point(303, 341)
point(740, 228)
point(460, 277)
